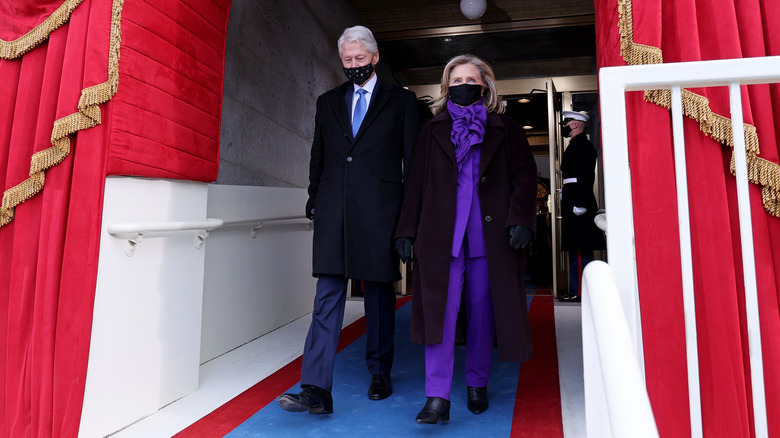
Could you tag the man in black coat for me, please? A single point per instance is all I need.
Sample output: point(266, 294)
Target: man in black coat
point(579, 234)
point(365, 130)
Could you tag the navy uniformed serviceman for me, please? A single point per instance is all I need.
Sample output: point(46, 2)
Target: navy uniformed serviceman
point(579, 234)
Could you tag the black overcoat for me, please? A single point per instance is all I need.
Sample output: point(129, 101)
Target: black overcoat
point(356, 184)
point(579, 232)
point(507, 196)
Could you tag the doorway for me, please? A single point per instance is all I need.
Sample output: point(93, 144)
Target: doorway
point(538, 108)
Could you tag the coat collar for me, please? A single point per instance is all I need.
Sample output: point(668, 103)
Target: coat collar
point(441, 127)
point(341, 102)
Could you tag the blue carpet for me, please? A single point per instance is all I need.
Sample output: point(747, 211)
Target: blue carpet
point(355, 414)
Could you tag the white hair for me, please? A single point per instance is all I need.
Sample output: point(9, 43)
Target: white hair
point(360, 34)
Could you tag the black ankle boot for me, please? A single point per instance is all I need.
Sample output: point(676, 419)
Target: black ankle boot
point(478, 399)
point(435, 409)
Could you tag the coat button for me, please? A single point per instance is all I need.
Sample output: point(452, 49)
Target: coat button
point(349, 159)
point(488, 218)
point(484, 179)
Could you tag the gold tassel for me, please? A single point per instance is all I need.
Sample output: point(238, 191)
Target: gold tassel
point(25, 43)
point(87, 116)
point(697, 107)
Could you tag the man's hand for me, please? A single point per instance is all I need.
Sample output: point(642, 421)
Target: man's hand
point(403, 246)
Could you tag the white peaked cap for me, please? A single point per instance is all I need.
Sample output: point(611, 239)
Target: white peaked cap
point(575, 115)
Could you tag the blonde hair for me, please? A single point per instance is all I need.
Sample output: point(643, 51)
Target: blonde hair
point(491, 100)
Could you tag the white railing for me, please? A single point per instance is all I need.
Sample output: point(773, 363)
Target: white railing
point(616, 402)
point(614, 82)
point(135, 232)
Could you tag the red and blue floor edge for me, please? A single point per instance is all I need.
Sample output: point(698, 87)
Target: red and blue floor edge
point(524, 398)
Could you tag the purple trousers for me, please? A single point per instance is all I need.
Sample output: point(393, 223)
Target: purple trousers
point(468, 276)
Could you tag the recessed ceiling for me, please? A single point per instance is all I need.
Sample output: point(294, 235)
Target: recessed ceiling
point(517, 49)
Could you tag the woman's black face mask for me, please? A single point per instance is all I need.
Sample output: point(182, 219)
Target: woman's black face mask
point(466, 94)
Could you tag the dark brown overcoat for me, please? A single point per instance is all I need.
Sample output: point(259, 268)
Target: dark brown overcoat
point(507, 195)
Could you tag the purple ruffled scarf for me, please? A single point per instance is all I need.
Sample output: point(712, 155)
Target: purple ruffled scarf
point(468, 127)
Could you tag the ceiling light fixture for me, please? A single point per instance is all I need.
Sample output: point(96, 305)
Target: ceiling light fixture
point(523, 100)
point(473, 9)
point(527, 127)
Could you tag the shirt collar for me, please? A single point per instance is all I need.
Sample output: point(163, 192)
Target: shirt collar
point(369, 85)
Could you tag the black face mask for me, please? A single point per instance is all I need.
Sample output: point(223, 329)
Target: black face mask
point(465, 94)
point(359, 75)
point(566, 131)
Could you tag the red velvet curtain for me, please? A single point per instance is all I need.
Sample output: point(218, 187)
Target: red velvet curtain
point(48, 253)
point(691, 30)
point(163, 122)
point(167, 110)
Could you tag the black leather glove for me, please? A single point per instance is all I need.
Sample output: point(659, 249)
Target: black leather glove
point(403, 246)
point(520, 236)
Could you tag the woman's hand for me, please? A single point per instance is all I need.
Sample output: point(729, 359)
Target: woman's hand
point(520, 236)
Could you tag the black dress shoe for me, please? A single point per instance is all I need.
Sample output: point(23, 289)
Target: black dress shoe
point(572, 299)
point(435, 409)
point(563, 296)
point(478, 399)
point(313, 399)
point(380, 387)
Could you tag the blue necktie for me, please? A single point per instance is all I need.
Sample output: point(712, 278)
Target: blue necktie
point(360, 111)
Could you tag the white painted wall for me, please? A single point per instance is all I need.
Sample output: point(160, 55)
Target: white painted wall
point(254, 285)
point(171, 306)
point(146, 328)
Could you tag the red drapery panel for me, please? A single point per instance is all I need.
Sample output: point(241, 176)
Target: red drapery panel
point(167, 111)
point(692, 30)
point(162, 122)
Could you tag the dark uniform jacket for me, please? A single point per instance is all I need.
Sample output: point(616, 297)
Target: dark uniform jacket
point(507, 196)
point(579, 232)
point(356, 184)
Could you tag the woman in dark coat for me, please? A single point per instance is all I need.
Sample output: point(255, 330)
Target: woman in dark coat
point(469, 208)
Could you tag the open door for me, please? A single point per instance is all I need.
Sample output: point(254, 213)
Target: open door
point(556, 180)
point(586, 102)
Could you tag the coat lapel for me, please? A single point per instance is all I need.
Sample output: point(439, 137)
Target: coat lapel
point(442, 129)
point(342, 104)
point(378, 101)
point(494, 133)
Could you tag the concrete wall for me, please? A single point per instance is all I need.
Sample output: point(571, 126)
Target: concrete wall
point(281, 55)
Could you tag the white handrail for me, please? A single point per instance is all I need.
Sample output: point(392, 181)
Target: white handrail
point(258, 223)
point(616, 401)
point(614, 83)
point(134, 232)
point(239, 222)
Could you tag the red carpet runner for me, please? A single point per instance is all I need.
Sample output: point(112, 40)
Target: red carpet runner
point(537, 406)
point(538, 400)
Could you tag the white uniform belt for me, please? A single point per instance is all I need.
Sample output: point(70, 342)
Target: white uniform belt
point(569, 180)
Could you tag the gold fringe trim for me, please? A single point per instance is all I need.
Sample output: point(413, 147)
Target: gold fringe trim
point(633, 53)
point(25, 43)
point(88, 116)
point(697, 107)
